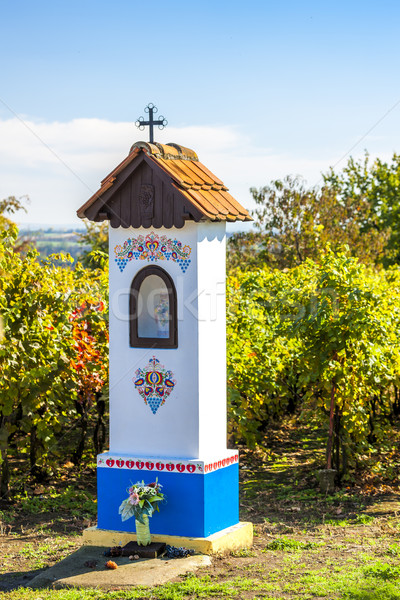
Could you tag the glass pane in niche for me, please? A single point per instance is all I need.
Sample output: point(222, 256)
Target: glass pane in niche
point(153, 308)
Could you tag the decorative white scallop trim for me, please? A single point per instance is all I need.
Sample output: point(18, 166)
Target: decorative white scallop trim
point(172, 465)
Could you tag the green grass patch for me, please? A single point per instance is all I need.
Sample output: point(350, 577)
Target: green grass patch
point(37, 556)
point(383, 571)
point(78, 503)
point(289, 545)
point(393, 550)
point(364, 520)
point(43, 555)
point(190, 587)
point(360, 519)
point(379, 581)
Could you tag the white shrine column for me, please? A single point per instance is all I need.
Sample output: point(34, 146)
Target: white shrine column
point(211, 327)
point(168, 409)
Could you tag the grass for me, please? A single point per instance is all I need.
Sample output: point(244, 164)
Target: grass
point(43, 555)
point(393, 550)
point(37, 555)
point(377, 582)
point(290, 545)
point(77, 502)
point(190, 587)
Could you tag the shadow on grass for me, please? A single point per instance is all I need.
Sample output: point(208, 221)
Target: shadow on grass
point(15, 579)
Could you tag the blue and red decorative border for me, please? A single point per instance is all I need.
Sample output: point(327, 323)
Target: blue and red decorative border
point(117, 461)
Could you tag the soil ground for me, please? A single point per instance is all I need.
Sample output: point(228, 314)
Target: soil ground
point(307, 544)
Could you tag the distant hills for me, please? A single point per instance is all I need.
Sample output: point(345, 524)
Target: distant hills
point(53, 239)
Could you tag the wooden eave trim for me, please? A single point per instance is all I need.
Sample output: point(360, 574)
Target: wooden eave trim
point(122, 178)
point(81, 211)
point(128, 159)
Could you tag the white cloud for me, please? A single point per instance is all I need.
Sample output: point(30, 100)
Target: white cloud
point(59, 165)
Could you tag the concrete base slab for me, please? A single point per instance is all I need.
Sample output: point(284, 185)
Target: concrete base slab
point(72, 572)
point(232, 538)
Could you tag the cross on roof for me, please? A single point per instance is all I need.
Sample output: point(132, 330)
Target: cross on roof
point(161, 121)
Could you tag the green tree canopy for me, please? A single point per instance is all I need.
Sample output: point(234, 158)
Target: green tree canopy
point(95, 242)
point(378, 183)
point(43, 365)
point(302, 336)
point(294, 222)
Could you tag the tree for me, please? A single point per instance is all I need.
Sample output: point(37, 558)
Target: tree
point(294, 222)
point(9, 206)
point(323, 334)
point(34, 350)
point(96, 241)
point(379, 184)
point(262, 360)
point(350, 353)
point(40, 381)
point(90, 366)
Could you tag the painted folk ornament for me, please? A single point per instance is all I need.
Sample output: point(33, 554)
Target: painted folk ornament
point(154, 383)
point(152, 247)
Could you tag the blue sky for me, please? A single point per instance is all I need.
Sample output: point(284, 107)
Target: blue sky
point(259, 89)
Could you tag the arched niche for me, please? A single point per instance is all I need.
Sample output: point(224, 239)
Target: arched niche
point(153, 310)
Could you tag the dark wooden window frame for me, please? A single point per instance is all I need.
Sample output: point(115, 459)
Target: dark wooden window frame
point(141, 342)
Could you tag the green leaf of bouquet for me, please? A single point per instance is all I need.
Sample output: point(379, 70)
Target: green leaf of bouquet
point(156, 498)
point(126, 510)
point(139, 517)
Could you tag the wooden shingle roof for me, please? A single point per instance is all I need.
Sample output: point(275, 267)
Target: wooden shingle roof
point(161, 185)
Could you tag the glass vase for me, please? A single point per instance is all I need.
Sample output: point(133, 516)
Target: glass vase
point(143, 536)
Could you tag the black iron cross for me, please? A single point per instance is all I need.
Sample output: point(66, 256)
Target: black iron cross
point(161, 122)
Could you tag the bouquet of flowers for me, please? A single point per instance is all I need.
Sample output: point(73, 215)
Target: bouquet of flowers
point(143, 500)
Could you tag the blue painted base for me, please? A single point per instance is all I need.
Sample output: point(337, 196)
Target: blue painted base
point(197, 504)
